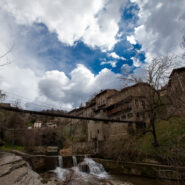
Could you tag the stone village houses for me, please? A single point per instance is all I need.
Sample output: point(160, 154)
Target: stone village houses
point(127, 104)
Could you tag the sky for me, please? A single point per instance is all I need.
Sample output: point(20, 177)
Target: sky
point(63, 52)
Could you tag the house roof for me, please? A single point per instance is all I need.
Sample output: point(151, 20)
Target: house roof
point(129, 87)
point(177, 70)
point(104, 91)
point(76, 110)
point(135, 85)
point(126, 100)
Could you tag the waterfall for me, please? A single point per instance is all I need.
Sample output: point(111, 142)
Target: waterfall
point(60, 161)
point(60, 171)
point(74, 160)
point(95, 168)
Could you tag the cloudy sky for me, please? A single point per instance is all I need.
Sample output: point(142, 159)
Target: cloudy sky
point(65, 51)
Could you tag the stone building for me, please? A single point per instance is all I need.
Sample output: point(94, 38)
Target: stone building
point(51, 124)
point(176, 85)
point(128, 104)
point(38, 124)
point(176, 91)
point(99, 131)
point(101, 98)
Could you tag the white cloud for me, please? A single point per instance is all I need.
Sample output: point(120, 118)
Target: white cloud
point(115, 56)
point(95, 22)
point(28, 80)
point(136, 62)
point(131, 39)
point(112, 63)
point(160, 27)
point(62, 90)
point(54, 89)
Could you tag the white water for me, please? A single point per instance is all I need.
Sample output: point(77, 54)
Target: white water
point(95, 168)
point(74, 161)
point(60, 161)
point(61, 173)
point(96, 173)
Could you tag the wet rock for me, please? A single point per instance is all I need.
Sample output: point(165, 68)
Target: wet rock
point(84, 168)
point(1, 142)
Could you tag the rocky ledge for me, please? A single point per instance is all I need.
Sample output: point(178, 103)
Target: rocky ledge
point(14, 170)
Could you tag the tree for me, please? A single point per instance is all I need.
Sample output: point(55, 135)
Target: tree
point(156, 75)
point(2, 95)
point(5, 54)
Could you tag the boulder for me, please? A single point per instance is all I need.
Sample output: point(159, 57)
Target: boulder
point(14, 170)
point(84, 168)
point(66, 152)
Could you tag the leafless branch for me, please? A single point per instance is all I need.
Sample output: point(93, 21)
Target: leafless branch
point(5, 54)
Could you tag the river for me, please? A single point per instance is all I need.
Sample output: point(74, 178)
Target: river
point(91, 173)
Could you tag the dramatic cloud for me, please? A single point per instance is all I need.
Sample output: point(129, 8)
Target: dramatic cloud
point(160, 27)
point(136, 62)
point(115, 56)
point(77, 88)
point(112, 63)
point(41, 72)
point(27, 78)
point(131, 39)
point(94, 22)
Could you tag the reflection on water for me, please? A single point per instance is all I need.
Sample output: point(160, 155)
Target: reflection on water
point(95, 175)
point(143, 181)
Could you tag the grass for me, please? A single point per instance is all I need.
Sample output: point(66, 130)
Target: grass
point(171, 138)
point(8, 147)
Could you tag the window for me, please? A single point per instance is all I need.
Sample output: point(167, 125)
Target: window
point(130, 115)
point(123, 117)
point(143, 104)
point(137, 115)
point(136, 103)
point(98, 131)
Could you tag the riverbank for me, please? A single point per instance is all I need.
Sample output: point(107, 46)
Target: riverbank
point(14, 170)
point(149, 168)
point(138, 147)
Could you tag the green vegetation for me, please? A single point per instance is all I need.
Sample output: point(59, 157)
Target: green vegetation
point(138, 147)
point(29, 124)
point(171, 138)
point(8, 147)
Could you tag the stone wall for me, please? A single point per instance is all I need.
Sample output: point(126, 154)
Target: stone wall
point(144, 169)
point(176, 91)
point(83, 148)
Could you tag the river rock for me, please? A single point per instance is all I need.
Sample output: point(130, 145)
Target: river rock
point(84, 168)
point(15, 171)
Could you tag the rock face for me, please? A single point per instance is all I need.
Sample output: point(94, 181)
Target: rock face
point(14, 170)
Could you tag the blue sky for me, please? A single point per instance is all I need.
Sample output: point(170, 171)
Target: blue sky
point(59, 56)
point(64, 51)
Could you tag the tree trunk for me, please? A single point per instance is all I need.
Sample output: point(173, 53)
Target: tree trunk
point(152, 121)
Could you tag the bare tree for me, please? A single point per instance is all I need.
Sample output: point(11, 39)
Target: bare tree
point(2, 95)
point(4, 55)
point(157, 73)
